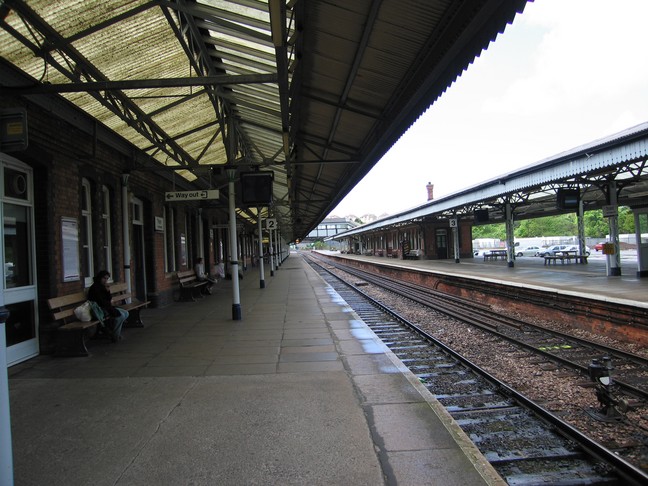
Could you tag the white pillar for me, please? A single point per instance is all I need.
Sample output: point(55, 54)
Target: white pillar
point(126, 233)
point(271, 251)
point(613, 262)
point(236, 298)
point(277, 250)
point(510, 236)
point(641, 228)
point(6, 455)
point(581, 228)
point(261, 270)
point(455, 238)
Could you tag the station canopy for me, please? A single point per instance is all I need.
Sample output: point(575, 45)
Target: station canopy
point(314, 90)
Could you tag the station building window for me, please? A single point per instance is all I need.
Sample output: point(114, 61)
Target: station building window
point(169, 239)
point(107, 234)
point(87, 260)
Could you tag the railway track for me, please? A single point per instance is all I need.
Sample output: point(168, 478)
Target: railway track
point(630, 371)
point(524, 442)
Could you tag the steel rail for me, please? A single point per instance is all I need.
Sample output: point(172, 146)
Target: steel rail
point(477, 313)
point(626, 470)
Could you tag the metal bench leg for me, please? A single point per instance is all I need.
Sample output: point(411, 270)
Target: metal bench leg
point(186, 295)
point(134, 319)
point(71, 343)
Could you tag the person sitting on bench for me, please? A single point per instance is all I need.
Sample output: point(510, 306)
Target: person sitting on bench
point(99, 292)
point(199, 268)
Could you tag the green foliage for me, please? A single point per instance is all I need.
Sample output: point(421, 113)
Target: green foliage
point(626, 220)
point(596, 226)
point(319, 245)
point(490, 231)
point(564, 224)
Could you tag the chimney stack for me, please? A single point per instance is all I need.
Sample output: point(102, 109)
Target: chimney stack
point(430, 190)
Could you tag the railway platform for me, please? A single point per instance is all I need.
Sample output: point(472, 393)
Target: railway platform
point(300, 391)
point(587, 280)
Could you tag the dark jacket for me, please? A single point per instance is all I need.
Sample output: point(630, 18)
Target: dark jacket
point(101, 295)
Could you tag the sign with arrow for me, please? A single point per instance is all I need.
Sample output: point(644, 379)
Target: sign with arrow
point(191, 195)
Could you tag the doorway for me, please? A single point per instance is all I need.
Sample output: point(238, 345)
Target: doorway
point(19, 292)
point(442, 243)
point(139, 250)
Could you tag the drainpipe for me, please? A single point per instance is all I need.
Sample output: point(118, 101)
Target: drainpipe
point(126, 234)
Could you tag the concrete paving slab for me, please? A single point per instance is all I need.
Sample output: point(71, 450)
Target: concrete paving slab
point(195, 398)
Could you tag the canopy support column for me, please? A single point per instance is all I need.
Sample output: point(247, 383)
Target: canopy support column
point(510, 236)
point(613, 261)
point(236, 297)
point(261, 263)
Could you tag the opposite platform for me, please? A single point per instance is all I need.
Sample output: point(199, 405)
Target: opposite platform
point(298, 392)
point(589, 280)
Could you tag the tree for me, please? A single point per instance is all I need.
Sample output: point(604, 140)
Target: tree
point(626, 220)
point(596, 226)
point(497, 231)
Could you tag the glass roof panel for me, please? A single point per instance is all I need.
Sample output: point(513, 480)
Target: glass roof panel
point(69, 17)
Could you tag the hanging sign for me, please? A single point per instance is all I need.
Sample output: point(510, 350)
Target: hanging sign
point(191, 195)
point(609, 211)
point(13, 130)
point(271, 224)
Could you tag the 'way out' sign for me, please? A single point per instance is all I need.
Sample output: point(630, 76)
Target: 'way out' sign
point(191, 195)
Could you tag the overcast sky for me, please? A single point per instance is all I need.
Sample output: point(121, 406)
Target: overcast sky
point(565, 73)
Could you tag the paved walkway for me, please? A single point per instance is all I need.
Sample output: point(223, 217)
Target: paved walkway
point(300, 392)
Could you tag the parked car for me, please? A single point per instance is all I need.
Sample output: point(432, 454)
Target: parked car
point(599, 246)
point(528, 251)
point(552, 250)
point(577, 249)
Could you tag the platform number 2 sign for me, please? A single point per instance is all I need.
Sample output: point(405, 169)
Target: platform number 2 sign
point(271, 224)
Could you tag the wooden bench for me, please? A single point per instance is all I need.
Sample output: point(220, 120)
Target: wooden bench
point(120, 296)
point(189, 284)
point(549, 259)
point(495, 254)
point(413, 255)
point(71, 334)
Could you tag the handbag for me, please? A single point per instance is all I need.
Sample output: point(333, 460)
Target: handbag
point(83, 312)
point(97, 311)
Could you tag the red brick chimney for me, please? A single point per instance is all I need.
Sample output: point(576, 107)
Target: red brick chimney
point(430, 190)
